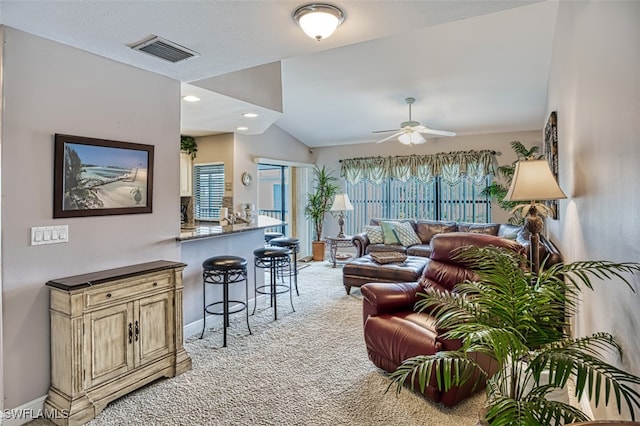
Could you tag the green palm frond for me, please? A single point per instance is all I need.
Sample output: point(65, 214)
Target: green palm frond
point(446, 368)
point(511, 314)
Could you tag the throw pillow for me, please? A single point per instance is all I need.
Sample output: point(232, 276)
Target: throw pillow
point(388, 232)
point(374, 233)
point(405, 233)
point(479, 228)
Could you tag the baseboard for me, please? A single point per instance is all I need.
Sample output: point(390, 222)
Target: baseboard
point(24, 413)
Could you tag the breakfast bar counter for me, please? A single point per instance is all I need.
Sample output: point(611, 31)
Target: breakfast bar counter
point(209, 239)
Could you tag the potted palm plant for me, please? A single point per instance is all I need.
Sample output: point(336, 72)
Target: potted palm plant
point(498, 190)
point(518, 318)
point(318, 204)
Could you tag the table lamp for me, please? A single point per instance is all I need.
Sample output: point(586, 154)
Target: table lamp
point(533, 182)
point(341, 203)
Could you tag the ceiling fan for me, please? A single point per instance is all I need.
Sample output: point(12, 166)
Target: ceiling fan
point(410, 132)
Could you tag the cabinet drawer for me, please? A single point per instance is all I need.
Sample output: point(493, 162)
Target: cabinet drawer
point(115, 293)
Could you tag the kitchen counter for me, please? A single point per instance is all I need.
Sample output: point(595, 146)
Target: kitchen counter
point(209, 230)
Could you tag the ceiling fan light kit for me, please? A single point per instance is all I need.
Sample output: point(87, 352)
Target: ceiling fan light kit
point(318, 20)
point(410, 131)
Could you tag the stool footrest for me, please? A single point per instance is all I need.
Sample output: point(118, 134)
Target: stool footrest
point(242, 307)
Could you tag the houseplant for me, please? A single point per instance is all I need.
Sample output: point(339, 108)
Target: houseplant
point(518, 319)
point(498, 189)
point(188, 144)
point(318, 204)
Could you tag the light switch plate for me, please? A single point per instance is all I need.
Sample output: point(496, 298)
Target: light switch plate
point(41, 235)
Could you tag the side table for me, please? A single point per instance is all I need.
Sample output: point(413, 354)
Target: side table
point(335, 242)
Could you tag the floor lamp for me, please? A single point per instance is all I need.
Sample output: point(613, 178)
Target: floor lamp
point(533, 182)
point(341, 203)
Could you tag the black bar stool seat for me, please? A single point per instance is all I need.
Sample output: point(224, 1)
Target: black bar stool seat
point(224, 270)
point(268, 236)
point(273, 259)
point(293, 244)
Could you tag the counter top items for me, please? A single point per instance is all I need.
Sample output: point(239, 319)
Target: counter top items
point(209, 230)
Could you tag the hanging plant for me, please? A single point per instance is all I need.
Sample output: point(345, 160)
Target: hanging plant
point(188, 144)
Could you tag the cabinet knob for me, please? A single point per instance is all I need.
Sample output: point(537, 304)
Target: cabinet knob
point(108, 295)
point(155, 284)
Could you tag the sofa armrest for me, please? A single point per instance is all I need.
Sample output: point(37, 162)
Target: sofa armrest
point(386, 298)
point(360, 241)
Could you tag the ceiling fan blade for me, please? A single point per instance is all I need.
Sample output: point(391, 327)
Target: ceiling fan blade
point(429, 131)
point(385, 131)
point(390, 137)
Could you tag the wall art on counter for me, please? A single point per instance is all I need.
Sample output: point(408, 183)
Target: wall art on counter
point(97, 177)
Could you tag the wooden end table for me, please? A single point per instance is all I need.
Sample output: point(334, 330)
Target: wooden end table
point(334, 243)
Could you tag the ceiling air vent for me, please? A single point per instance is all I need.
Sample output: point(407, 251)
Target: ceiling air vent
point(164, 49)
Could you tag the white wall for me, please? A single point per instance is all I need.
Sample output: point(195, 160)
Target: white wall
point(594, 85)
point(499, 142)
point(51, 88)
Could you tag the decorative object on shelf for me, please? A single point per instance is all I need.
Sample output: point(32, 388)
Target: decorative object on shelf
point(89, 172)
point(551, 154)
point(341, 204)
point(318, 20)
point(533, 182)
point(520, 327)
point(246, 179)
point(248, 209)
point(188, 144)
point(318, 204)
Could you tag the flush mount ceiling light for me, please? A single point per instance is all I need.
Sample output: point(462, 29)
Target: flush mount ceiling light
point(250, 114)
point(191, 98)
point(318, 20)
point(242, 128)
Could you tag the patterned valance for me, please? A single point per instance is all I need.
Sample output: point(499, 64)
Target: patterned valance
point(449, 166)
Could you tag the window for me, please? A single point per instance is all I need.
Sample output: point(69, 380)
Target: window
point(208, 190)
point(435, 200)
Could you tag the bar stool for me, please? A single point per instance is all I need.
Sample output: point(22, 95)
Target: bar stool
point(273, 259)
point(224, 270)
point(293, 244)
point(268, 236)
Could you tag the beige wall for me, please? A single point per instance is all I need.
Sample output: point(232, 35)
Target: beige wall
point(214, 149)
point(594, 85)
point(50, 88)
point(499, 142)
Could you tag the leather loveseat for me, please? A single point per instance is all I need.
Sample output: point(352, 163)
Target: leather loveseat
point(393, 332)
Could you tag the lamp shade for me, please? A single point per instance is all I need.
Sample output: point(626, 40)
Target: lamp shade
point(341, 203)
point(533, 181)
point(318, 20)
point(411, 138)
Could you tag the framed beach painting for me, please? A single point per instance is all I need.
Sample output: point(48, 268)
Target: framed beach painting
point(97, 177)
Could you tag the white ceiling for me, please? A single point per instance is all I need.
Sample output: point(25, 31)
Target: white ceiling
point(476, 66)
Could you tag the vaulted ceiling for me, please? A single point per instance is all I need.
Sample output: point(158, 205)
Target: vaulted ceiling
point(473, 66)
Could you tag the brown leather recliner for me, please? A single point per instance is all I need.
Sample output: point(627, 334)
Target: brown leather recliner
point(394, 332)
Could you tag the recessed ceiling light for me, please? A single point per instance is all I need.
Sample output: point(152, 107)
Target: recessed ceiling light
point(191, 98)
point(242, 128)
point(250, 114)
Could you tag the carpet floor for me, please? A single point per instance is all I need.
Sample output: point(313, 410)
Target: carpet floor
point(309, 367)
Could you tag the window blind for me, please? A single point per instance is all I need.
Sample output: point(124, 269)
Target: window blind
point(208, 190)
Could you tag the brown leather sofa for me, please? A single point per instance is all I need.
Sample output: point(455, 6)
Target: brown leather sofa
point(393, 332)
point(363, 269)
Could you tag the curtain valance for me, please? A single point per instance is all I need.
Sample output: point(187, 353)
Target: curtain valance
point(449, 166)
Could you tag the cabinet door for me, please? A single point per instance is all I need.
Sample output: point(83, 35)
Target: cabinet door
point(153, 329)
point(186, 175)
point(108, 343)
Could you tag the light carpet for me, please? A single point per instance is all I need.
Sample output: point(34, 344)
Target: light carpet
point(309, 367)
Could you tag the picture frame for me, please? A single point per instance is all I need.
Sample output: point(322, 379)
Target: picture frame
point(99, 177)
point(551, 154)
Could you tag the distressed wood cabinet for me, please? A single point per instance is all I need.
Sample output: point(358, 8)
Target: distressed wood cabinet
point(112, 332)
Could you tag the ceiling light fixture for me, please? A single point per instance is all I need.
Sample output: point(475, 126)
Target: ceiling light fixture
point(191, 98)
point(318, 20)
point(250, 115)
point(411, 138)
point(242, 128)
